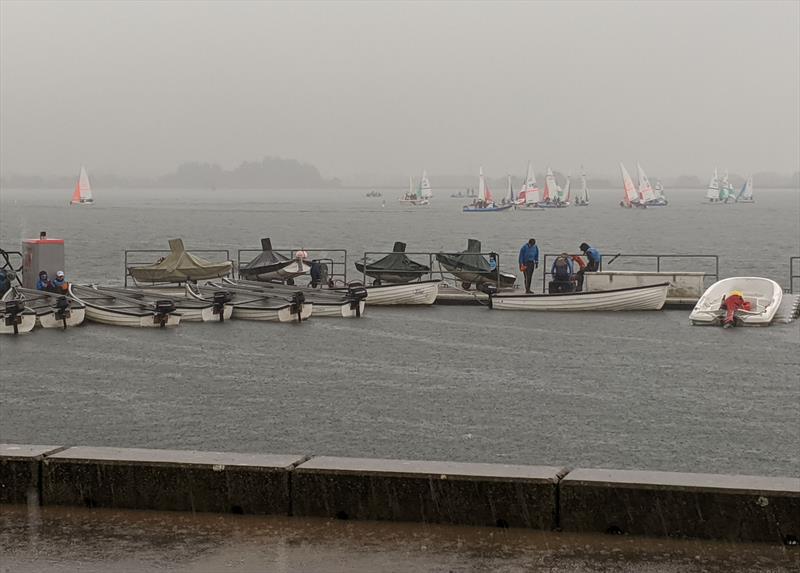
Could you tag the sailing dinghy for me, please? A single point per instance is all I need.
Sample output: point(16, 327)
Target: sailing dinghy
point(180, 266)
point(120, 310)
point(395, 268)
point(551, 196)
point(419, 196)
point(630, 197)
point(484, 202)
point(529, 194)
point(746, 192)
point(53, 309)
point(271, 265)
point(83, 190)
point(582, 197)
point(473, 268)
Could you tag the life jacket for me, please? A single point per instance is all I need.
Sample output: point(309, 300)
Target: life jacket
point(579, 261)
point(561, 269)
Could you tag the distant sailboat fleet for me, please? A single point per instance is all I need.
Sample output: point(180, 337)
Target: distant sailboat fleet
point(720, 191)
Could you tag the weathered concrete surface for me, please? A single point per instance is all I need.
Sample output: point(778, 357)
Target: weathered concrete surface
point(421, 491)
point(168, 480)
point(707, 506)
point(19, 471)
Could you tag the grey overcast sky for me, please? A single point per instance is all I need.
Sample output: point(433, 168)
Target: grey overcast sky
point(383, 87)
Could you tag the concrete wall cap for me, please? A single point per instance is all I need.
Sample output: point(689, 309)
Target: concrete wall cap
point(215, 460)
point(668, 480)
point(23, 451)
point(427, 469)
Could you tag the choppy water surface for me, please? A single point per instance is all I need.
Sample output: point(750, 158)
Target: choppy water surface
point(629, 390)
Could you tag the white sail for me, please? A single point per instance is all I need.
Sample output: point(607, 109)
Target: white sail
point(658, 188)
point(646, 192)
point(83, 190)
point(509, 191)
point(425, 186)
point(747, 190)
point(551, 188)
point(713, 186)
point(627, 183)
point(584, 194)
point(481, 187)
point(530, 190)
point(564, 193)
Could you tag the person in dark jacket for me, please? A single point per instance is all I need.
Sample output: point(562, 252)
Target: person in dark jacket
point(528, 262)
point(44, 281)
point(594, 258)
point(59, 284)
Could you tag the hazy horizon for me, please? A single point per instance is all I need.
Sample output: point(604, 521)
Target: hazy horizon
point(391, 88)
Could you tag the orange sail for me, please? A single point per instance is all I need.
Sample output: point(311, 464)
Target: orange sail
point(76, 195)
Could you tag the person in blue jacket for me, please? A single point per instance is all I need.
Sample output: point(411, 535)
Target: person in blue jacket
point(594, 258)
point(562, 268)
point(528, 262)
point(59, 284)
point(44, 282)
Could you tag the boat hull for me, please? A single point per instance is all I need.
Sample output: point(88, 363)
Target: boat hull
point(487, 209)
point(116, 318)
point(421, 293)
point(638, 298)
point(25, 321)
point(338, 310)
point(282, 314)
point(74, 316)
point(765, 296)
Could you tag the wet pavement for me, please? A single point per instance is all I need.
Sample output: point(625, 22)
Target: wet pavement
point(45, 540)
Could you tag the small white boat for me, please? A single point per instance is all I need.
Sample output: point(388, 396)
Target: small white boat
point(422, 195)
point(53, 310)
point(107, 308)
point(484, 202)
point(83, 190)
point(650, 297)
point(764, 296)
point(17, 318)
point(191, 310)
point(249, 305)
point(325, 303)
point(418, 293)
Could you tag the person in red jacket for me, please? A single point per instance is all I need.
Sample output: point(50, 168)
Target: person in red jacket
point(730, 304)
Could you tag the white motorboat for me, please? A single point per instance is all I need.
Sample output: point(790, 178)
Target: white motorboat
point(53, 309)
point(117, 310)
point(650, 297)
point(17, 318)
point(249, 305)
point(416, 293)
point(763, 295)
point(217, 309)
point(325, 303)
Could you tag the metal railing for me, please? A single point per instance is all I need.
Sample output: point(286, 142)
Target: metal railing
point(432, 273)
point(336, 259)
point(793, 274)
point(628, 257)
point(129, 263)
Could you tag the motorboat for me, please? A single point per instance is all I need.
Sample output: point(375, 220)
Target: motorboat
point(415, 293)
point(325, 303)
point(249, 305)
point(17, 318)
point(651, 297)
point(471, 267)
point(180, 266)
point(121, 310)
point(53, 309)
point(394, 268)
point(271, 265)
point(762, 295)
point(217, 309)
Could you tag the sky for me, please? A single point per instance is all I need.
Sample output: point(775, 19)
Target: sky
point(134, 88)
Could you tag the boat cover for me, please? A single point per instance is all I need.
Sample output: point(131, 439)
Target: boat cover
point(469, 260)
point(396, 264)
point(266, 261)
point(180, 265)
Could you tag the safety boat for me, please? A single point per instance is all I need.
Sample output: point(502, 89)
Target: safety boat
point(191, 310)
point(394, 268)
point(53, 309)
point(738, 301)
point(17, 318)
point(120, 310)
point(179, 266)
point(82, 195)
point(651, 297)
point(248, 305)
point(325, 303)
point(484, 202)
point(271, 265)
point(471, 267)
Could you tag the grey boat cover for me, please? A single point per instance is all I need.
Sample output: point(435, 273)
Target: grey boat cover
point(468, 260)
point(396, 262)
point(179, 266)
point(266, 261)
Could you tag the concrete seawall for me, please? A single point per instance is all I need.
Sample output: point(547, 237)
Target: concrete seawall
point(707, 506)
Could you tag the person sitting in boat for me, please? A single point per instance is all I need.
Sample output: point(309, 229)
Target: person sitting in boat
point(5, 281)
point(528, 262)
point(730, 304)
point(44, 281)
point(59, 284)
point(492, 262)
point(562, 273)
point(594, 258)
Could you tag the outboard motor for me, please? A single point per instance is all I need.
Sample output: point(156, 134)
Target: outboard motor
point(13, 312)
point(62, 312)
point(355, 294)
point(489, 289)
point(163, 308)
point(221, 297)
point(298, 299)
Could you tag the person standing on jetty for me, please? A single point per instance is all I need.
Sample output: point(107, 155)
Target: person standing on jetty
point(594, 258)
point(528, 262)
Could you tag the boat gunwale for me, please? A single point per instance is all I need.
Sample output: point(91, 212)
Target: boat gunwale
point(581, 293)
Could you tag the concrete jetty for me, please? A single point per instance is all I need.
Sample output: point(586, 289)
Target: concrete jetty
point(659, 504)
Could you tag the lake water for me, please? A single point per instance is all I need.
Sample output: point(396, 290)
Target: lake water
point(627, 390)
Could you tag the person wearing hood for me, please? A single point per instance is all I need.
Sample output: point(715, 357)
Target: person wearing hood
point(528, 262)
point(594, 258)
point(562, 272)
point(44, 281)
